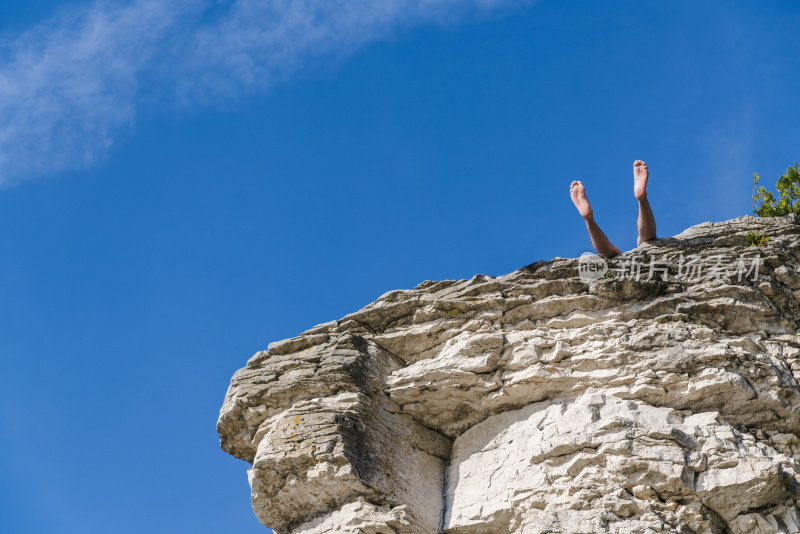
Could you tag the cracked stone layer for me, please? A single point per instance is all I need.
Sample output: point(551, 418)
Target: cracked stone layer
point(540, 402)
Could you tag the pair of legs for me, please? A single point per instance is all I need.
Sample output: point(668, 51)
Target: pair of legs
point(646, 223)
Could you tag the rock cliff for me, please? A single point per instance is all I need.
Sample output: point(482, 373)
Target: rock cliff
point(655, 392)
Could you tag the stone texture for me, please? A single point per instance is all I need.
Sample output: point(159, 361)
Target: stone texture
point(540, 401)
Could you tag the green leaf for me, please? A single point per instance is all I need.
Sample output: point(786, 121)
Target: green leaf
point(788, 189)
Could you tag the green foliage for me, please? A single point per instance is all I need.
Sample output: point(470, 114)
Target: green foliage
point(756, 240)
point(672, 318)
point(766, 205)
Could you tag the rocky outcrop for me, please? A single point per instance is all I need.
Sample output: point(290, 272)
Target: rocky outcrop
point(656, 392)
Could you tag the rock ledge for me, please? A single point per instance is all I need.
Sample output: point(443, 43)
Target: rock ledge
point(661, 396)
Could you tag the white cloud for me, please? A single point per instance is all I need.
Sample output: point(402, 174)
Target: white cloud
point(70, 86)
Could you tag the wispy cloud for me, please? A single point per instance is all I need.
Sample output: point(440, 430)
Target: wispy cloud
point(72, 85)
point(68, 86)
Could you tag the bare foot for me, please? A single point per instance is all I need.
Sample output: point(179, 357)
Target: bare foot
point(640, 176)
point(578, 195)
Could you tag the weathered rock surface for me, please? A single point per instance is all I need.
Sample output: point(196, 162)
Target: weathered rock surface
point(542, 401)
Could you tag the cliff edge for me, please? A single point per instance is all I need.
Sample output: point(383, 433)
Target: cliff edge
point(654, 392)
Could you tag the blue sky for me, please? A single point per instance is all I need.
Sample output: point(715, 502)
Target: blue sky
point(183, 182)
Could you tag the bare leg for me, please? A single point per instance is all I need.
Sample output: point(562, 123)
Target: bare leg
point(599, 240)
point(646, 223)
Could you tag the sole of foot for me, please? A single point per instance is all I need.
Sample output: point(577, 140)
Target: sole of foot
point(578, 195)
point(640, 176)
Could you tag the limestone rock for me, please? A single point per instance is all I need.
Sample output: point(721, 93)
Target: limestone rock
point(662, 396)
